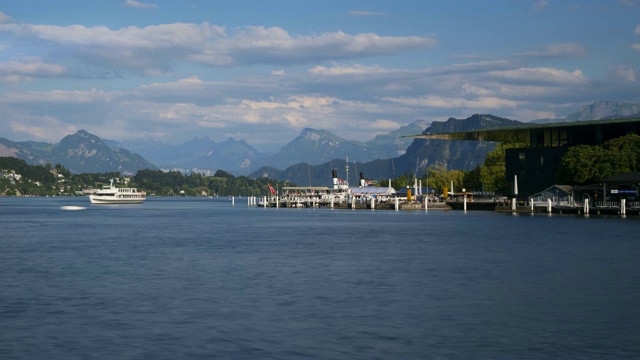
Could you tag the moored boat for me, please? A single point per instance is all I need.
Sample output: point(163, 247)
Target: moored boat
point(114, 195)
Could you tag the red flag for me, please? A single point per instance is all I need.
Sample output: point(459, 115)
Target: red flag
point(273, 191)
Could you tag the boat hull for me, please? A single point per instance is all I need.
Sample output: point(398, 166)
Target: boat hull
point(104, 200)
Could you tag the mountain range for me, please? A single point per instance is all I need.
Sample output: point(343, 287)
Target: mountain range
point(312, 146)
point(306, 160)
point(461, 155)
point(81, 152)
point(599, 110)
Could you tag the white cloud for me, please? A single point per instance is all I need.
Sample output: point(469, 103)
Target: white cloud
point(340, 97)
point(540, 75)
point(139, 5)
point(460, 90)
point(58, 97)
point(293, 112)
point(29, 68)
point(469, 56)
point(347, 70)
point(148, 50)
point(149, 37)
point(529, 114)
point(384, 124)
point(628, 3)
point(454, 103)
point(210, 57)
point(525, 91)
point(257, 44)
point(558, 50)
point(42, 128)
point(189, 86)
point(624, 73)
point(476, 90)
point(7, 79)
point(24, 123)
point(191, 80)
point(638, 30)
point(278, 72)
point(156, 49)
point(4, 18)
point(635, 47)
point(540, 5)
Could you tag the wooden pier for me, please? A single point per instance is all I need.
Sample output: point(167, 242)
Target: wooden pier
point(615, 209)
point(577, 210)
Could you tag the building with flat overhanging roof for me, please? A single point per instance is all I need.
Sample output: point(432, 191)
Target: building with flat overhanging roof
point(537, 165)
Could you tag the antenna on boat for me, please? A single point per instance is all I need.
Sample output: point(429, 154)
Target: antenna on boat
point(346, 168)
point(355, 165)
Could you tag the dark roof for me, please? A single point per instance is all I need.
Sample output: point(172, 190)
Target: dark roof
point(564, 188)
point(629, 177)
point(516, 134)
point(590, 187)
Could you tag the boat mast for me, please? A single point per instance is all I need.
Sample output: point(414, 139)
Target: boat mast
point(346, 168)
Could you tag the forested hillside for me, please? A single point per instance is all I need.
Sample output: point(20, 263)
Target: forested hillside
point(19, 178)
point(221, 183)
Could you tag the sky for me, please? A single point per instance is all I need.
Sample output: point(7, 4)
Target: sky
point(261, 71)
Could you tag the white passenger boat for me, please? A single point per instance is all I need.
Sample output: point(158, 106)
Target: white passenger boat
point(113, 195)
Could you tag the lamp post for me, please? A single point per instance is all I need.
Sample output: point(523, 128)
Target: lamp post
point(464, 198)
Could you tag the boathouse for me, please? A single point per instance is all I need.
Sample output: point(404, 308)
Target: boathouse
point(557, 194)
point(622, 186)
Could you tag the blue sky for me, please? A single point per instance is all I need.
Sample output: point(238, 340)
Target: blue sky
point(264, 70)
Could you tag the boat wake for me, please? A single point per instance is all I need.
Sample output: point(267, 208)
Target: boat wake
point(71, 207)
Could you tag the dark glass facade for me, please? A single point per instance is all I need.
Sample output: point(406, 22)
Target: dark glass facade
point(538, 166)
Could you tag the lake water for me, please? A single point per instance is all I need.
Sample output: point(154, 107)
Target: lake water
point(194, 278)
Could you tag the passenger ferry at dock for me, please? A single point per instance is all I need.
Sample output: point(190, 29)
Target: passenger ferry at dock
point(310, 196)
point(340, 195)
point(113, 195)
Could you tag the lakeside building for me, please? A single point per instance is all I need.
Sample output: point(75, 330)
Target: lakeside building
point(537, 165)
point(558, 194)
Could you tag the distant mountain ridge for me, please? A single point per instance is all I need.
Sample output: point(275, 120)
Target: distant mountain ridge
point(318, 146)
point(598, 110)
point(199, 154)
point(81, 152)
point(605, 110)
point(25, 151)
point(453, 154)
point(236, 156)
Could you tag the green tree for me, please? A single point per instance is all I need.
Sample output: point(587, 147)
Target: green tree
point(399, 182)
point(625, 153)
point(439, 178)
point(584, 164)
point(471, 180)
point(493, 172)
